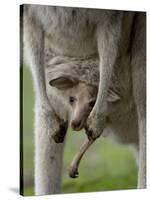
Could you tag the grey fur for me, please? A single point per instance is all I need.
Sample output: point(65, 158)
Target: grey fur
point(82, 34)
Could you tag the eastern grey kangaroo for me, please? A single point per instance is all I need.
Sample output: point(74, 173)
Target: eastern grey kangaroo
point(116, 38)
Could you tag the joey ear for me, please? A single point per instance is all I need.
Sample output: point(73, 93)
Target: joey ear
point(63, 82)
point(113, 96)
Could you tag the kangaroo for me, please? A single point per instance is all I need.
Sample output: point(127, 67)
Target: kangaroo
point(81, 33)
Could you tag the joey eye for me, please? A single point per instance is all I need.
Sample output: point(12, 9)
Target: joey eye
point(71, 100)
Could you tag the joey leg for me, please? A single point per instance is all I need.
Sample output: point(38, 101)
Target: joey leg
point(73, 170)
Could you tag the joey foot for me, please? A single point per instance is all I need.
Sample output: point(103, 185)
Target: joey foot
point(73, 170)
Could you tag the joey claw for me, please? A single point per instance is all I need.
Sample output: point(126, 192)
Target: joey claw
point(73, 172)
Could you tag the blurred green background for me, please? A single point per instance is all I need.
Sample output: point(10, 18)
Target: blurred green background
point(105, 166)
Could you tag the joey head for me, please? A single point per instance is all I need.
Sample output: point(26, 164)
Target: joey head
point(81, 98)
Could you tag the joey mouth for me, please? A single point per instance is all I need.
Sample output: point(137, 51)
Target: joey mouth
point(77, 126)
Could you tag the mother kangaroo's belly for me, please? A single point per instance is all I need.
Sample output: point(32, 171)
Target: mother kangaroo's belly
point(70, 34)
point(71, 47)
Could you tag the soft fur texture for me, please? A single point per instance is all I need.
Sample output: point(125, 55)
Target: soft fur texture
point(117, 40)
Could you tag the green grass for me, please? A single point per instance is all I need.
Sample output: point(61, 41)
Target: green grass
point(105, 166)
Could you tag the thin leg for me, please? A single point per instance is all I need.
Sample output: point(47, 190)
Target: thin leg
point(48, 155)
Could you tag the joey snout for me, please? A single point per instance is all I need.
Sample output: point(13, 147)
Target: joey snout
point(78, 124)
point(81, 114)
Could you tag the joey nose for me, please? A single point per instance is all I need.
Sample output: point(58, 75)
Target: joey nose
point(76, 125)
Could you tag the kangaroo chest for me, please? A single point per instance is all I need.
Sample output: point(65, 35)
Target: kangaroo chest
point(69, 31)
